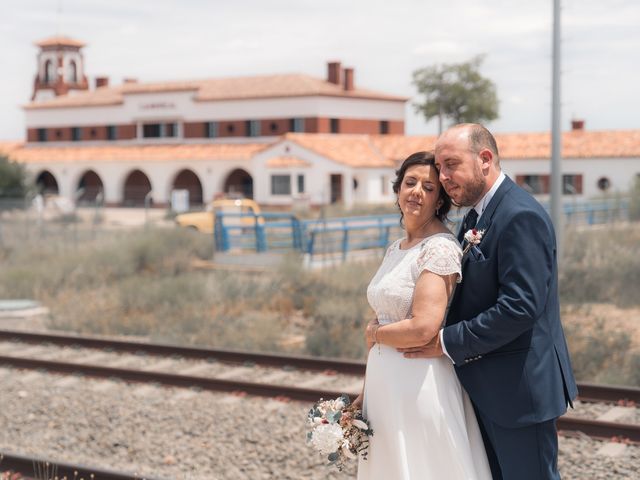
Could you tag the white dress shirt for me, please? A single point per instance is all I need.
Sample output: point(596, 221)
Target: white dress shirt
point(479, 208)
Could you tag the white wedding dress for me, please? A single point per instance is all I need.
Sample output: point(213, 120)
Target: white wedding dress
point(423, 421)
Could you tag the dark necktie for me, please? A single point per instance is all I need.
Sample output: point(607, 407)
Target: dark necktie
point(468, 223)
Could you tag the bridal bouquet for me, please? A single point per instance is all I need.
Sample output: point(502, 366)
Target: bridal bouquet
point(338, 430)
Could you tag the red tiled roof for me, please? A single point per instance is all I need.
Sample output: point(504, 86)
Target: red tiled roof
point(575, 144)
point(353, 150)
point(60, 41)
point(137, 153)
point(358, 151)
point(268, 86)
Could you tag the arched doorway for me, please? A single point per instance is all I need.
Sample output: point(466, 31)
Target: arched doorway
point(188, 180)
point(239, 183)
point(91, 185)
point(136, 188)
point(47, 183)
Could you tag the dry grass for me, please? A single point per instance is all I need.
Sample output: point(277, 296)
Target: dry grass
point(142, 283)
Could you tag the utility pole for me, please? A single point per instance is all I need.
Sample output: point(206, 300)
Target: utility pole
point(557, 215)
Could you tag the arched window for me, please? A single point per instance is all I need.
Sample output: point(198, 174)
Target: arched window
point(48, 72)
point(73, 72)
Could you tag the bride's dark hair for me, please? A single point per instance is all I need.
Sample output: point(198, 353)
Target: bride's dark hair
point(422, 158)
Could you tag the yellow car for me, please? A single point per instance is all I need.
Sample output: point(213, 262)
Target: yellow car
point(204, 221)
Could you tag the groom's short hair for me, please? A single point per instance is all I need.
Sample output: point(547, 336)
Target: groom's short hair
point(480, 137)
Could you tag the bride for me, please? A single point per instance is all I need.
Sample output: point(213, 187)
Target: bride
point(424, 423)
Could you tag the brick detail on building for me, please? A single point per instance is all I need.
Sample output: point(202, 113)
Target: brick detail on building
point(88, 133)
point(268, 127)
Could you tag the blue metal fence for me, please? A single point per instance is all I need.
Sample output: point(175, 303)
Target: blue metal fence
point(285, 232)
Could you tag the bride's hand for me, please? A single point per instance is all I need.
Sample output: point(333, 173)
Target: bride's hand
point(357, 403)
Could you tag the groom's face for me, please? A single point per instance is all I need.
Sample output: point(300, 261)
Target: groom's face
point(459, 168)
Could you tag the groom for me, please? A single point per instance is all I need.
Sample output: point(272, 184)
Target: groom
point(503, 330)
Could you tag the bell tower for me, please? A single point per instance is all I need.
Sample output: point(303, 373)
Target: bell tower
point(60, 68)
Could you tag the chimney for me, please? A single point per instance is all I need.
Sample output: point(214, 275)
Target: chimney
point(348, 79)
point(129, 80)
point(577, 125)
point(334, 73)
point(102, 82)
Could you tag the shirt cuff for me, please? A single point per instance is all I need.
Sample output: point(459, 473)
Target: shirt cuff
point(444, 349)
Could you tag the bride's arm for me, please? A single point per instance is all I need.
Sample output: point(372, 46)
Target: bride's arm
point(430, 301)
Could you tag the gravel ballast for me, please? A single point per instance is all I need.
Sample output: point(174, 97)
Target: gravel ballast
point(184, 434)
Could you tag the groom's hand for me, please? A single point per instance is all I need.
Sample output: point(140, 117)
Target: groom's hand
point(430, 350)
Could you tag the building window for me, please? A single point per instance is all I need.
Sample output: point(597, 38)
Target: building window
point(211, 129)
point(73, 72)
point(42, 134)
point(76, 134)
point(49, 72)
point(253, 128)
point(297, 125)
point(385, 185)
point(572, 184)
point(534, 184)
point(159, 130)
point(280, 184)
point(300, 183)
point(335, 125)
point(112, 132)
point(151, 130)
point(384, 127)
point(603, 184)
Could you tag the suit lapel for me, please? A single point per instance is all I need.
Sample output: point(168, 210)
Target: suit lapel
point(484, 222)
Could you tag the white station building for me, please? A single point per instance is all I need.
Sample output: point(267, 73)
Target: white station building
point(279, 139)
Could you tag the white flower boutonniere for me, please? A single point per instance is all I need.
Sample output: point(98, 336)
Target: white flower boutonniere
point(472, 237)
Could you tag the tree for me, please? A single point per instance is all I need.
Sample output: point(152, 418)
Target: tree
point(456, 91)
point(14, 181)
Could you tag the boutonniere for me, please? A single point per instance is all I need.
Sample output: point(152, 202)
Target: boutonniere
point(472, 237)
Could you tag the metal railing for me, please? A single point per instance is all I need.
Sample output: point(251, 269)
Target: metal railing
point(285, 232)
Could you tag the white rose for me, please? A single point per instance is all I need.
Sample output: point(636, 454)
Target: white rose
point(327, 438)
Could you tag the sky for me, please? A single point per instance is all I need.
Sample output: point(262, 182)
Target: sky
point(385, 41)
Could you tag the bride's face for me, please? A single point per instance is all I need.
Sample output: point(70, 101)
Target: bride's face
point(419, 193)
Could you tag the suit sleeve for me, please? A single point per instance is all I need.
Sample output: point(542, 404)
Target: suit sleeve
point(525, 256)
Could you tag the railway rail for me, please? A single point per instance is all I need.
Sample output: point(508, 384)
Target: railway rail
point(588, 392)
point(26, 468)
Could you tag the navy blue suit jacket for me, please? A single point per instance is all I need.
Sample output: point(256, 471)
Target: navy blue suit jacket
point(503, 328)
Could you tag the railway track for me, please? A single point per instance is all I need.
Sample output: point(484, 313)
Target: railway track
point(22, 467)
point(276, 376)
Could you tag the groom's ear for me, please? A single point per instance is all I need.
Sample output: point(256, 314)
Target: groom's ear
point(486, 156)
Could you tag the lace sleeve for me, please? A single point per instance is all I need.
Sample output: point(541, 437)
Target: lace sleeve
point(442, 256)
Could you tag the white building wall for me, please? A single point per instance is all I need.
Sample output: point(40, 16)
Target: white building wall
point(621, 172)
point(181, 106)
point(317, 176)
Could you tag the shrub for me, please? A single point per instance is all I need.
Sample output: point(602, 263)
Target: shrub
point(601, 266)
point(597, 353)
